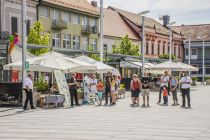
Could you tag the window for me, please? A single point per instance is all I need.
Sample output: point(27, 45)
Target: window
point(56, 40)
point(44, 12)
point(174, 51)
point(56, 14)
point(28, 25)
point(75, 19)
point(85, 21)
point(207, 69)
point(163, 49)
point(152, 48)
point(76, 42)
point(67, 41)
point(158, 49)
point(14, 25)
point(85, 43)
point(66, 17)
point(94, 44)
point(193, 51)
point(147, 48)
point(179, 52)
point(168, 49)
point(186, 52)
point(93, 22)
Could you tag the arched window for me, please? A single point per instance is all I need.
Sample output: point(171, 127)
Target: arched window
point(147, 48)
point(163, 49)
point(152, 48)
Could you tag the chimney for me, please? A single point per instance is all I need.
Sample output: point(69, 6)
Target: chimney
point(166, 20)
point(94, 3)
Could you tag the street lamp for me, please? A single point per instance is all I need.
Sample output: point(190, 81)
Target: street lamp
point(203, 66)
point(101, 30)
point(142, 42)
point(23, 42)
point(189, 47)
point(169, 25)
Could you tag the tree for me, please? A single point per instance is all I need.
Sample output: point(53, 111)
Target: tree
point(126, 46)
point(37, 36)
point(166, 56)
point(92, 55)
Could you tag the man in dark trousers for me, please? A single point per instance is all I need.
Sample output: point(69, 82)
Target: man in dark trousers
point(28, 87)
point(108, 87)
point(72, 83)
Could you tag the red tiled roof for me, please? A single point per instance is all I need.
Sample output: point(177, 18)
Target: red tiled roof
point(197, 30)
point(150, 24)
point(80, 5)
point(115, 26)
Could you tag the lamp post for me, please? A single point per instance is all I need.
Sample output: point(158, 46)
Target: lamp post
point(189, 47)
point(203, 62)
point(169, 25)
point(101, 31)
point(143, 39)
point(23, 41)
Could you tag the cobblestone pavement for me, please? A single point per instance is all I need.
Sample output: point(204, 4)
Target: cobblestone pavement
point(120, 122)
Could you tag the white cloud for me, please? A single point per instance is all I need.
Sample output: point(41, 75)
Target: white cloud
point(181, 11)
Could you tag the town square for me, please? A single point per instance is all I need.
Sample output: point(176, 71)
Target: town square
point(104, 69)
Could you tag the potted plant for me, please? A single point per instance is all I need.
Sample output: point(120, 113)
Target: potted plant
point(194, 81)
point(207, 80)
point(40, 87)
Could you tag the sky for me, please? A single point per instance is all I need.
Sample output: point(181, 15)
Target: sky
point(187, 12)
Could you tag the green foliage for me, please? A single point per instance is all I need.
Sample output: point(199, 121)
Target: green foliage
point(37, 36)
point(126, 46)
point(207, 77)
point(41, 85)
point(194, 78)
point(92, 55)
point(166, 56)
point(122, 86)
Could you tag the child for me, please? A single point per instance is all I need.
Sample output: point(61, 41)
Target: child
point(100, 88)
point(165, 95)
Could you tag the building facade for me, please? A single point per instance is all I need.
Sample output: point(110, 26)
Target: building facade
point(157, 35)
point(11, 19)
point(73, 25)
point(196, 47)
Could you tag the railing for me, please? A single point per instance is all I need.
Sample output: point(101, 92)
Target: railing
point(87, 29)
point(59, 24)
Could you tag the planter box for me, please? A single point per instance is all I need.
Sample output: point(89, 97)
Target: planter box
point(208, 82)
point(194, 83)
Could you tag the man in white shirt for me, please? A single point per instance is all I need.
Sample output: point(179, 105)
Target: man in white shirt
point(28, 87)
point(185, 82)
point(163, 82)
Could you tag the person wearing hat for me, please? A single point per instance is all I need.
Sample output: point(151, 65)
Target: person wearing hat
point(185, 82)
point(28, 87)
point(135, 90)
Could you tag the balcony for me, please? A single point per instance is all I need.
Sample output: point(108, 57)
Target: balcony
point(86, 29)
point(59, 24)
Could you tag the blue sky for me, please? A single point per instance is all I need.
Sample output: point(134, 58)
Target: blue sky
point(181, 11)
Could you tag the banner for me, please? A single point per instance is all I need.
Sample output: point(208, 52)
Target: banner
point(62, 86)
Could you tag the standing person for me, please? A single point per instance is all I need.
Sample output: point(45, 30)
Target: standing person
point(135, 90)
point(173, 88)
point(165, 95)
point(93, 88)
point(146, 83)
point(113, 90)
point(28, 87)
point(108, 87)
point(100, 88)
point(72, 83)
point(185, 82)
point(163, 82)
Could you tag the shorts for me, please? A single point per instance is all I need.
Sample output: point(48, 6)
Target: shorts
point(134, 94)
point(145, 92)
point(100, 95)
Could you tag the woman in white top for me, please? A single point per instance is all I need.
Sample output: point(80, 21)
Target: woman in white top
point(163, 82)
point(93, 87)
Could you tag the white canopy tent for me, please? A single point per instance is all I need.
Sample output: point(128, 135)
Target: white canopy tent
point(52, 61)
point(100, 67)
point(172, 66)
